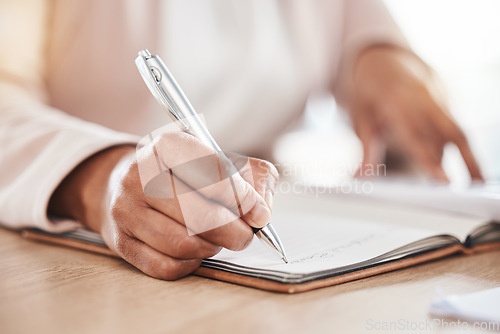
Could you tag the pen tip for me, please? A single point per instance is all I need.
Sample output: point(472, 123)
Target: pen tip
point(284, 259)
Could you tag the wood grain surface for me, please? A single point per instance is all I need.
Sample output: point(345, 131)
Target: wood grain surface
point(52, 289)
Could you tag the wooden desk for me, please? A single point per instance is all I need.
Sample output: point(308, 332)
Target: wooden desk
point(52, 289)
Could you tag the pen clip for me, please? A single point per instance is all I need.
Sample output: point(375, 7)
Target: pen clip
point(152, 72)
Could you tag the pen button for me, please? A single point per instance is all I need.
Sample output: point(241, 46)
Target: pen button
point(156, 73)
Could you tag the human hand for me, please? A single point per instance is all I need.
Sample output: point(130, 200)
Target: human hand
point(394, 100)
point(150, 231)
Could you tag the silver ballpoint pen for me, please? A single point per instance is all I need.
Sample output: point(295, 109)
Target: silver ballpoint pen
point(167, 92)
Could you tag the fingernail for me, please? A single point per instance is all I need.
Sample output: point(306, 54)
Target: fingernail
point(269, 199)
point(260, 215)
point(441, 175)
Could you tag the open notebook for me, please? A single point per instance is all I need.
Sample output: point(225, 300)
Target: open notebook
point(330, 240)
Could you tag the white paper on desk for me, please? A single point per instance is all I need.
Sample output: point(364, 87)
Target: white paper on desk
point(480, 200)
point(478, 306)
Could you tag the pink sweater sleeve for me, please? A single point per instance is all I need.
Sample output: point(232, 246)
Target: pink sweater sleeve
point(366, 23)
point(39, 145)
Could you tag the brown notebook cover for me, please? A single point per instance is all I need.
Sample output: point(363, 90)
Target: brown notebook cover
point(270, 285)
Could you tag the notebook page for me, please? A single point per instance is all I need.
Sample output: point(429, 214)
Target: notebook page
point(316, 243)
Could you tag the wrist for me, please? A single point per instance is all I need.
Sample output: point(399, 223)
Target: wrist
point(82, 195)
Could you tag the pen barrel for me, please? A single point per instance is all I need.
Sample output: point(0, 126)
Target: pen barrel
point(169, 94)
point(178, 105)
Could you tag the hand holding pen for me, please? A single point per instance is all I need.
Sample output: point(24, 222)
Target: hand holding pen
point(105, 194)
point(244, 201)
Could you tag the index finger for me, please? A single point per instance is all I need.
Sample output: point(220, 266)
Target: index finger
point(463, 145)
point(261, 174)
point(450, 132)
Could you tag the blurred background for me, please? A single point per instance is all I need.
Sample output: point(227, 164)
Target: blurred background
point(460, 39)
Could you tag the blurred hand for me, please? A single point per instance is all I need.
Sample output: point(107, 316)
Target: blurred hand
point(394, 100)
point(150, 232)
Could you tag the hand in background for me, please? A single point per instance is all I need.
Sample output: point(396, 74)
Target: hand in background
point(393, 100)
point(106, 195)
